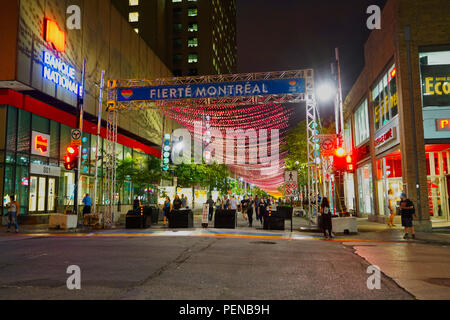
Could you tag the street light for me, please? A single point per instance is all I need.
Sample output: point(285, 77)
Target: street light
point(326, 91)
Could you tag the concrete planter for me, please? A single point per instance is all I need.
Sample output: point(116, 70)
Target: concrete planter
point(62, 221)
point(341, 225)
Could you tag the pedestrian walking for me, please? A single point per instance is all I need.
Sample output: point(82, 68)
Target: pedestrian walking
point(13, 213)
point(407, 211)
point(87, 204)
point(218, 204)
point(166, 209)
point(233, 203)
point(325, 214)
point(210, 202)
point(391, 205)
point(250, 208)
point(257, 203)
point(136, 204)
point(183, 201)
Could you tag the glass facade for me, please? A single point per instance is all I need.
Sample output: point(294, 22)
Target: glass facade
point(362, 132)
point(384, 98)
point(389, 177)
point(365, 192)
point(438, 181)
point(42, 193)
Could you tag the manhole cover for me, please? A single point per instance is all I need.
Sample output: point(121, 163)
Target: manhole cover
point(263, 242)
point(444, 282)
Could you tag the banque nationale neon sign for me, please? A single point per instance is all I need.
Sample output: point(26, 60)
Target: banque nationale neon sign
point(60, 73)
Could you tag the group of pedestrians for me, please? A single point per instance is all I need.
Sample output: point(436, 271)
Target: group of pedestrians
point(177, 204)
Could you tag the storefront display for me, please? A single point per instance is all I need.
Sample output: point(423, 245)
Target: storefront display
point(389, 179)
point(438, 180)
point(365, 190)
point(384, 95)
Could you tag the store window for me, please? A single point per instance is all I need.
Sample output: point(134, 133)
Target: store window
point(193, 58)
point(389, 180)
point(133, 17)
point(384, 98)
point(24, 132)
point(192, 12)
point(11, 131)
point(438, 180)
point(362, 124)
point(193, 27)
point(365, 192)
point(177, 27)
point(348, 139)
point(193, 42)
point(435, 78)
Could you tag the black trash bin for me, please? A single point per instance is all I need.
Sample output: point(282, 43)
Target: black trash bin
point(225, 219)
point(181, 218)
point(133, 220)
point(147, 217)
point(155, 214)
point(274, 221)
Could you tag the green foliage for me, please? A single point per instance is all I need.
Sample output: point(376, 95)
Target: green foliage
point(297, 146)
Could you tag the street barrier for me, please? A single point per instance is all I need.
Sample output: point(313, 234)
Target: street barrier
point(225, 219)
point(183, 218)
point(273, 220)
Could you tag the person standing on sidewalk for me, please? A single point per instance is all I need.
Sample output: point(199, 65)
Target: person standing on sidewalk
point(87, 204)
point(13, 213)
point(183, 201)
point(166, 209)
point(250, 207)
point(407, 211)
point(326, 222)
point(210, 202)
point(391, 203)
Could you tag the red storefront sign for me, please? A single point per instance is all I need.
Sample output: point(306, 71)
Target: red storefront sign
point(384, 138)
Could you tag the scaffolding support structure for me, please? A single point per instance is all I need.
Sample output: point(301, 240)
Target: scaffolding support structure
point(312, 129)
point(114, 107)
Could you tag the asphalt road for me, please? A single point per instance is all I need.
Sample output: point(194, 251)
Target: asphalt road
point(186, 268)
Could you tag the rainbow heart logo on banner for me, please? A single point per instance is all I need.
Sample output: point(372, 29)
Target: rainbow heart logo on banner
point(292, 83)
point(126, 93)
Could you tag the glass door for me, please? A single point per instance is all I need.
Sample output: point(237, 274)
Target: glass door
point(51, 194)
point(33, 194)
point(41, 194)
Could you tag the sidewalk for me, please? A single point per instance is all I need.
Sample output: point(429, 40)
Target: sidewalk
point(366, 230)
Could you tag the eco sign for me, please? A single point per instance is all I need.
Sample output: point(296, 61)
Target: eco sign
point(213, 90)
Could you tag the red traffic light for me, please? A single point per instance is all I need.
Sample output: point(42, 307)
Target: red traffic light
point(340, 152)
point(349, 159)
point(70, 159)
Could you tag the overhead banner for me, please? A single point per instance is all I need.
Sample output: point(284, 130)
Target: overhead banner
point(213, 90)
point(435, 85)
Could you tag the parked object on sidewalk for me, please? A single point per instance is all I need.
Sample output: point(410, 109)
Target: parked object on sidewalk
point(93, 220)
point(183, 218)
point(274, 221)
point(225, 219)
point(63, 221)
point(345, 225)
point(133, 220)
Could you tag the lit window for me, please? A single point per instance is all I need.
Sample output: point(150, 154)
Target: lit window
point(136, 30)
point(176, 0)
point(133, 17)
point(193, 58)
point(133, 3)
point(193, 42)
point(193, 27)
point(192, 12)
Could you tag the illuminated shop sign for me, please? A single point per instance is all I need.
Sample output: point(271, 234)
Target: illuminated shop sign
point(60, 73)
point(40, 144)
point(54, 35)
point(436, 85)
point(385, 137)
point(442, 124)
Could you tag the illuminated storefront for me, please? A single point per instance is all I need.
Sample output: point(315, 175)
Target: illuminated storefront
point(365, 192)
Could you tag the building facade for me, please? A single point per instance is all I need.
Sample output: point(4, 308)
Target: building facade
point(194, 37)
point(40, 76)
point(397, 113)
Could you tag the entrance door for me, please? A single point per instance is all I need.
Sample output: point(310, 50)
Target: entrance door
point(42, 197)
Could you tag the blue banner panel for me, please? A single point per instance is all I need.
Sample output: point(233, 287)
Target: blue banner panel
point(213, 90)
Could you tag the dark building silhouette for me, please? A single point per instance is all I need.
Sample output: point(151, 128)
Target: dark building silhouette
point(192, 37)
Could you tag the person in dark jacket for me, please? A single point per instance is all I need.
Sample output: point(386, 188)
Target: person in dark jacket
point(407, 211)
point(325, 216)
point(250, 206)
point(177, 203)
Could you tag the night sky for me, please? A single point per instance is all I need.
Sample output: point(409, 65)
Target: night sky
point(276, 35)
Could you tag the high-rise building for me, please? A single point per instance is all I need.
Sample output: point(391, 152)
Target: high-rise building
point(193, 37)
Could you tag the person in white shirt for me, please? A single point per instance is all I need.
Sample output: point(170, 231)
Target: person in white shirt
point(233, 203)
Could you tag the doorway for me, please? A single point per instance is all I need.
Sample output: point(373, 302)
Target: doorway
point(42, 198)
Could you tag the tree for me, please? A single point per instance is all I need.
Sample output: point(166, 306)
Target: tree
point(297, 158)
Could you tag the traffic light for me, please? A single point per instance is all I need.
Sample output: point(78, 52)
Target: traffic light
point(166, 152)
point(349, 161)
point(71, 157)
point(339, 160)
